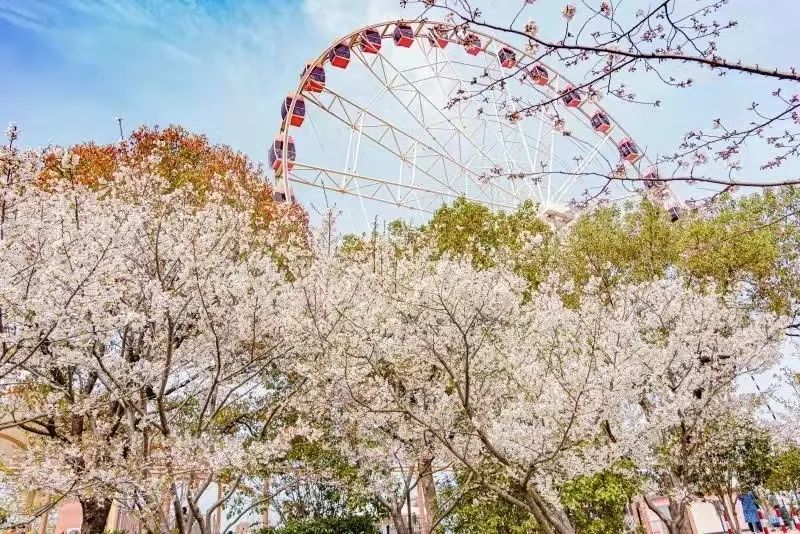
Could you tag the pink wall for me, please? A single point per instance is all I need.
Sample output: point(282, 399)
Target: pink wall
point(69, 516)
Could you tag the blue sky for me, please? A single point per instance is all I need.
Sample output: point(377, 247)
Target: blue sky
point(69, 67)
point(72, 66)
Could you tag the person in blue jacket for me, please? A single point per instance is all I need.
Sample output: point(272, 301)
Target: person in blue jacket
point(750, 511)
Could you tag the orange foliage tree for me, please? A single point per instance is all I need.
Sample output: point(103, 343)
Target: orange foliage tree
point(182, 159)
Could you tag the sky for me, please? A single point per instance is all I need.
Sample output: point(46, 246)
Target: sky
point(69, 68)
point(221, 67)
point(72, 66)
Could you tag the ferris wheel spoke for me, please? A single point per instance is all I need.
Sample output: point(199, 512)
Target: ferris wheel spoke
point(371, 187)
point(608, 164)
point(536, 153)
point(579, 114)
point(494, 126)
point(419, 118)
point(616, 199)
point(550, 90)
point(435, 68)
point(436, 108)
point(489, 63)
point(377, 134)
point(580, 168)
point(413, 179)
point(544, 150)
point(463, 130)
point(415, 115)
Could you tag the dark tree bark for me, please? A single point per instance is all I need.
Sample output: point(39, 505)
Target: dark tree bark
point(95, 514)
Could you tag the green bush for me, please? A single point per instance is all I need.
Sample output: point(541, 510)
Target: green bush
point(328, 525)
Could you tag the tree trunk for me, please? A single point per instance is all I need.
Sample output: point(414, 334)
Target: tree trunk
point(673, 522)
point(195, 517)
point(399, 522)
point(541, 520)
point(427, 490)
point(729, 509)
point(677, 511)
point(546, 515)
point(265, 495)
point(95, 514)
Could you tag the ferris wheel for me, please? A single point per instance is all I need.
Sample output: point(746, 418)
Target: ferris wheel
point(405, 116)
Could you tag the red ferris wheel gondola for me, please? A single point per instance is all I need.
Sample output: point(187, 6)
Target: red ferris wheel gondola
point(279, 193)
point(571, 97)
point(539, 75)
point(651, 180)
point(316, 79)
point(629, 150)
point(507, 57)
point(472, 44)
point(339, 56)
point(276, 154)
point(403, 35)
point(299, 111)
point(371, 41)
point(438, 36)
point(600, 122)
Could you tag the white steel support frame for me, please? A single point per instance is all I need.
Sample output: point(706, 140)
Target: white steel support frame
point(516, 109)
point(420, 94)
point(462, 127)
point(357, 126)
point(436, 190)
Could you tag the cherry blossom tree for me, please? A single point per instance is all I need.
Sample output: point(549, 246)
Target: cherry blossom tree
point(144, 347)
point(521, 384)
point(391, 457)
point(702, 346)
point(737, 461)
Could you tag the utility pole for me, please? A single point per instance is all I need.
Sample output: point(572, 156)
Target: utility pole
point(761, 393)
point(121, 135)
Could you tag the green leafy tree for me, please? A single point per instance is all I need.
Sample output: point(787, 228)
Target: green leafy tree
point(335, 492)
point(478, 511)
point(741, 243)
point(738, 459)
point(490, 515)
point(749, 244)
point(597, 504)
point(468, 228)
point(785, 473)
point(594, 504)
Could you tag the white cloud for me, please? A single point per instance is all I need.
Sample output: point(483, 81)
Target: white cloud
point(338, 17)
